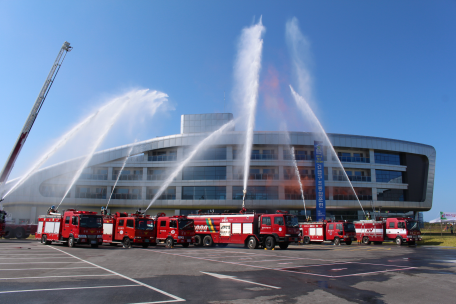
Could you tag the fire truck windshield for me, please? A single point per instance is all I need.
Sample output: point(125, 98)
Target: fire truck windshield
point(412, 225)
point(291, 221)
point(349, 227)
point(186, 224)
point(91, 221)
point(2, 216)
point(143, 224)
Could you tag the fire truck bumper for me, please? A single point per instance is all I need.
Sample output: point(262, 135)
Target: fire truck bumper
point(292, 239)
point(413, 238)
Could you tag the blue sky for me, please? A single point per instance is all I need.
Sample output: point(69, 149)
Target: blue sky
point(382, 68)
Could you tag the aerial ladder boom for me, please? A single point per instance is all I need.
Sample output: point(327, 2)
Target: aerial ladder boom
point(8, 167)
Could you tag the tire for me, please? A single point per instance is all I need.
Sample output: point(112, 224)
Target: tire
point(269, 243)
point(252, 243)
point(207, 241)
point(145, 245)
point(366, 240)
point(348, 242)
point(126, 243)
point(198, 241)
point(20, 233)
point(169, 243)
point(306, 240)
point(399, 241)
point(283, 246)
point(8, 234)
point(185, 245)
point(94, 245)
point(43, 239)
point(336, 241)
point(71, 242)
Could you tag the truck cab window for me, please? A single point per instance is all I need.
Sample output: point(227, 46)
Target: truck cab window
point(121, 223)
point(391, 225)
point(330, 226)
point(163, 224)
point(67, 220)
point(401, 225)
point(75, 220)
point(339, 226)
point(266, 221)
point(278, 220)
point(130, 224)
point(172, 224)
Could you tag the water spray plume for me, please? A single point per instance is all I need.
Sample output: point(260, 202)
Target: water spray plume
point(307, 112)
point(179, 168)
point(298, 177)
point(120, 173)
point(247, 71)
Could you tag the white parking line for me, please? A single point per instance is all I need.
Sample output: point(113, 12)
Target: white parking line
point(68, 288)
point(68, 276)
point(40, 263)
point(176, 298)
point(60, 257)
point(48, 268)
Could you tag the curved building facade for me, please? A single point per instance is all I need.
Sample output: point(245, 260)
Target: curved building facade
point(388, 175)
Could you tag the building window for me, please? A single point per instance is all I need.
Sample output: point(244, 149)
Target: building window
point(87, 192)
point(342, 194)
point(163, 155)
point(256, 193)
point(387, 158)
point(299, 155)
point(54, 191)
point(127, 174)
point(384, 176)
point(204, 193)
point(294, 193)
point(214, 153)
point(390, 195)
point(127, 193)
point(204, 173)
point(157, 174)
point(356, 158)
point(168, 194)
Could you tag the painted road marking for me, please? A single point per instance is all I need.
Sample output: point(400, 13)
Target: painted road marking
point(222, 276)
point(48, 268)
point(35, 258)
point(68, 288)
point(176, 298)
point(41, 263)
point(68, 276)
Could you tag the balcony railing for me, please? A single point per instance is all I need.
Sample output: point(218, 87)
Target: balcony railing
point(259, 196)
point(156, 176)
point(162, 158)
point(91, 195)
point(353, 178)
point(342, 197)
point(127, 177)
point(303, 176)
point(294, 196)
point(94, 176)
point(263, 156)
point(126, 196)
point(298, 157)
point(258, 176)
point(162, 197)
point(354, 159)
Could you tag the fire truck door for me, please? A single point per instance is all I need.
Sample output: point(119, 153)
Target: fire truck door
point(74, 225)
point(120, 228)
point(266, 225)
point(66, 227)
point(279, 226)
point(162, 230)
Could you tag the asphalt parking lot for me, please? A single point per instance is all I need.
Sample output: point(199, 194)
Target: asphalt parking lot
point(34, 273)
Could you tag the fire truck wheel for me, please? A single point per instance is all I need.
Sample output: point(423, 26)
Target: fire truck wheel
point(269, 243)
point(207, 241)
point(366, 240)
point(185, 245)
point(283, 246)
point(398, 240)
point(20, 233)
point(336, 241)
point(252, 243)
point(145, 245)
point(198, 241)
point(43, 239)
point(307, 240)
point(8, 234)
point(71, 242)
point(126, 243)
point(169, 243)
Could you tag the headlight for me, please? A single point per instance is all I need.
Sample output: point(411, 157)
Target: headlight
point(100, 236)
point(180, 237)
point(137, 237)
point(82, 236)
point(287, 234)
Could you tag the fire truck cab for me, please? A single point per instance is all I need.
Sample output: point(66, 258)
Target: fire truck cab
point(173, 230)
point(250, 229)
point(400, 230)
point(128, 230)
point(74, 227)
point(336, 232)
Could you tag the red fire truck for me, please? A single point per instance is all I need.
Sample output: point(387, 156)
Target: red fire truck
point(19, 231)
point(173, 230)
point(336, 232)
point(399, 230)
point(74, 227)
point(128, 230)
point(2, 223)
point(250, 229)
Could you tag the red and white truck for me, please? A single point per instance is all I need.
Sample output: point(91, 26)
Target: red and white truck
point(336, 232)
point(73, 227)
point(173, 230)
point(128, 230)
point(250, 229)
point(19, 231)
point(400, 230)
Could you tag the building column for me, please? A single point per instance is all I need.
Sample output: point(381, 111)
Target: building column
point(229, 153)
point(229, 193)
point(281, 175)
point(373, 176)
point(331, 193)
point(374, 194)
point(229, 172)
point(372, 156)
point(110, 173)
point(108, 192)
point(178, 193)
point(144, 173)
point(143, 192)
point(330, 174)
point(280, 152)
